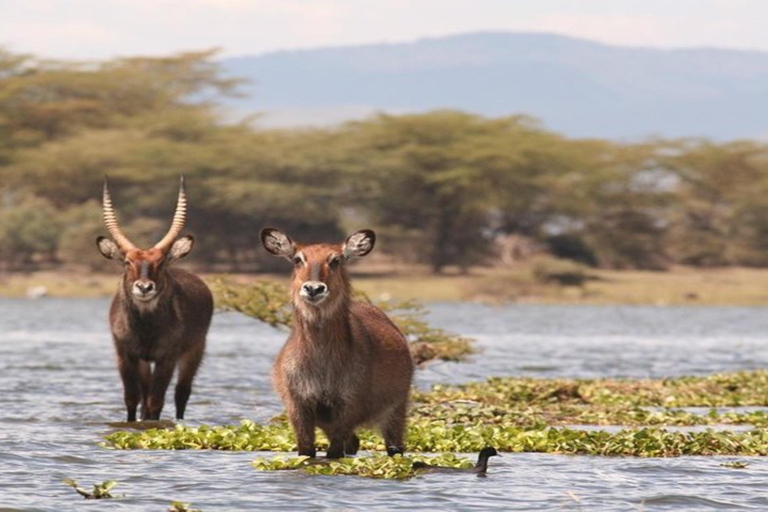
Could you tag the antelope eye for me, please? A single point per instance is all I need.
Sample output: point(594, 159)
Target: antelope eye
point(297, 261)
point(334, 262)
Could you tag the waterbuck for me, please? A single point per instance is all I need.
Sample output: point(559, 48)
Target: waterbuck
point(159, 314)
point(345, 364)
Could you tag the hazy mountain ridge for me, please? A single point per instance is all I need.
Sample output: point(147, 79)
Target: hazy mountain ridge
point(578, 87)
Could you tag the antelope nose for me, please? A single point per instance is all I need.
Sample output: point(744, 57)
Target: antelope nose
point(313, 289)
point(145, 287)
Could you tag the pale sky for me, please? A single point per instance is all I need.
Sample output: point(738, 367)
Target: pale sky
point(88, 29)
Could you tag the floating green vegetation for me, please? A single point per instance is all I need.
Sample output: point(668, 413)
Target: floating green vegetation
point(647, 402)
point(532, 415)
point(248, 436)
point(375, 466)
point(462, 412)
point(100, 491)
point(430, 436)
point(642, 442)
point(747, 388)
point(269, 302)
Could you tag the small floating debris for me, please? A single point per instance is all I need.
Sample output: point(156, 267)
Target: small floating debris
point(737, 464)
point(100, 491)
point(178, 506)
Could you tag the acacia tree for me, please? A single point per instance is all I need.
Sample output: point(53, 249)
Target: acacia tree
point(28, 227)
point(720, 215)
point(615, 200)
point(440, 177)
point(277, 178)
point(45, 100)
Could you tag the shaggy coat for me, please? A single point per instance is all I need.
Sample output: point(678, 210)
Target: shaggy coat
point(170, 332)
point(160, 315)
point(345, 364)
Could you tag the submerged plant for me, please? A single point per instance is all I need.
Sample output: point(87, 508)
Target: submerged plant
point(269, 302)
point(100, 491)
point(178, 506)
point(266, 301)
point(427, 342)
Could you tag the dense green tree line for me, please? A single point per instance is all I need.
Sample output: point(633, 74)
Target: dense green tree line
point(439, 187)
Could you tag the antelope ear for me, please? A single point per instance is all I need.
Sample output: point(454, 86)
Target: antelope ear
point(181, 248)
point(277, 243)
point(109, 249)
point(359, 244)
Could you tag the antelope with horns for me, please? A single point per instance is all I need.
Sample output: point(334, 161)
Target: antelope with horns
point(345, 363)
point(159, 314)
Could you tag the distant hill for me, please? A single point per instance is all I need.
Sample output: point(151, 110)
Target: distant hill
point(577, 87)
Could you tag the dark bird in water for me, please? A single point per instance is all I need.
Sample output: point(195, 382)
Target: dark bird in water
point(480, 468)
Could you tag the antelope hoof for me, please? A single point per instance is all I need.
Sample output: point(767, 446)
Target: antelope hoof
point(394, 450)
point(352, 446)
point(312, 453)
point(334, 454)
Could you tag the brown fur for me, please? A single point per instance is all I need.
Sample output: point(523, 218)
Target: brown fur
point(169, 330)
point(345, 363)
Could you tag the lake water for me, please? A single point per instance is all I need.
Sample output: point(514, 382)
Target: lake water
point(59, 387)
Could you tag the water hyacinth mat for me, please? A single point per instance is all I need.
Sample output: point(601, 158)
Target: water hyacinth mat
point(436, 437)
point(628, 418)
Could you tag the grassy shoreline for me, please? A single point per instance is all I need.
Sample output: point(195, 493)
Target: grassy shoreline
point(679, 286)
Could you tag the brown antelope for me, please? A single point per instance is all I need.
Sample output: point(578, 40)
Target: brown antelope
point(345, 363)
point(159, 314)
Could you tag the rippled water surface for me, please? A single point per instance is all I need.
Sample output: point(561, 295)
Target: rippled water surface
point(59, 387)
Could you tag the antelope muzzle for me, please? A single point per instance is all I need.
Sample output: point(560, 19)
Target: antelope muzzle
point(142, 275)
point(144, 289)
point(314, 292)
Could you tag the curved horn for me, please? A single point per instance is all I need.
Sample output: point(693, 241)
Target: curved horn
point(110, 221)
point(178, 220)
